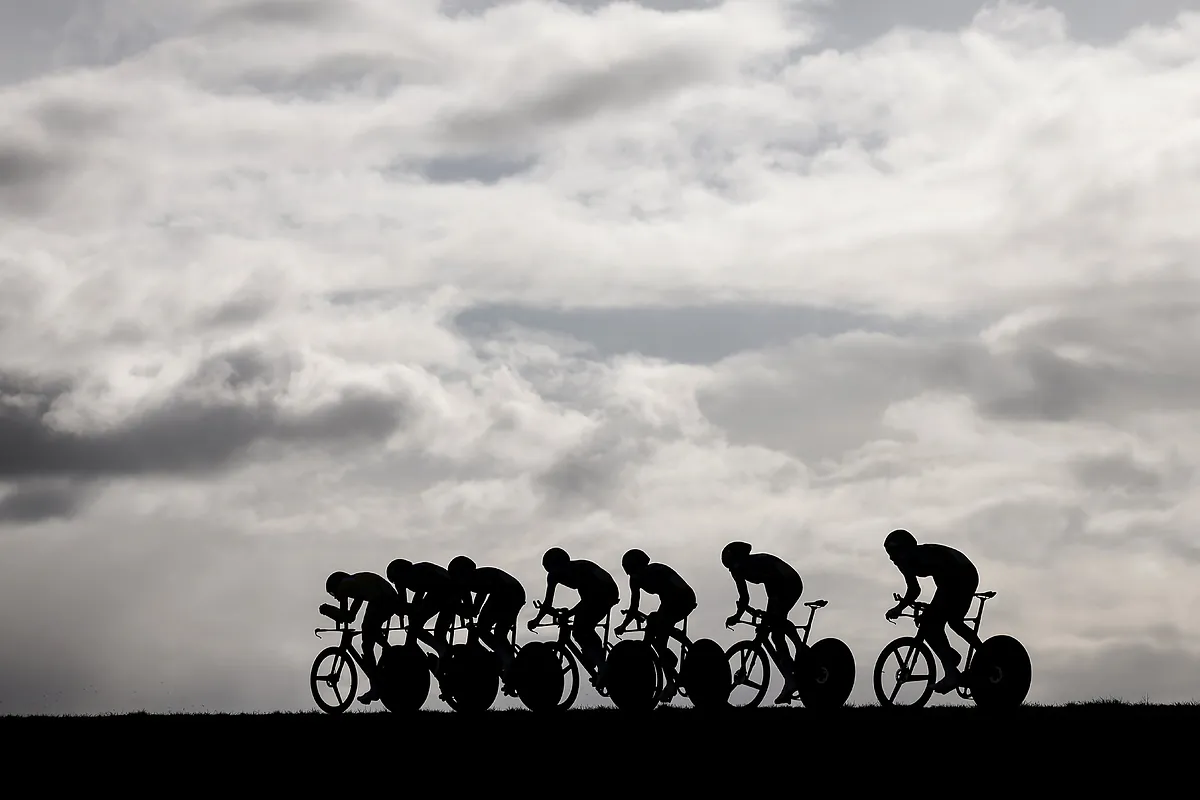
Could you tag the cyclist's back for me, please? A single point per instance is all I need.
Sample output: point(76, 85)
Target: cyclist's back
point(665, 583)
point(948, 567)
point(497, 582)
point(593, 583)
point(426, 577)
point(772, 572)
point(368, 587)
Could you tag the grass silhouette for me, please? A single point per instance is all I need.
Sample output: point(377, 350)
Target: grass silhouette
point(684, 717)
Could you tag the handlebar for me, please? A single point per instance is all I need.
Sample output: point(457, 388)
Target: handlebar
point(756, 617)
point(558, 616)
point(638, 618)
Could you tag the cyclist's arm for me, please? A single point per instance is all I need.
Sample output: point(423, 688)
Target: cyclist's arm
point(352, 613)
point(743, 598)
point(548, 602)
point(635, 595)
point(913, 590)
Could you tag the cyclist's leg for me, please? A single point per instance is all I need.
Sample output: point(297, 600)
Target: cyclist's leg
point(780, 603)
point(960, 608)
point(445, 621)
point(657, 627)
point(372, 634)
point(496, 618)
point(942, 607)
point(587, 616)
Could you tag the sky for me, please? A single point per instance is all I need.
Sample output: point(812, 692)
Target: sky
point(295, 286)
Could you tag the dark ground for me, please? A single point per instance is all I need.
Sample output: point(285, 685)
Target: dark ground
point(1106, 745)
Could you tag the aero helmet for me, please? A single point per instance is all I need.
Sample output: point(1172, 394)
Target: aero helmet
point(734, 552)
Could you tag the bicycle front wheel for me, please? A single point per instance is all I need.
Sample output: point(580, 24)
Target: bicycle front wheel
point(471, 678)
point(905, 674)
point(334, 671)
point(751, 674)
point(404, 670)
point(705, 674)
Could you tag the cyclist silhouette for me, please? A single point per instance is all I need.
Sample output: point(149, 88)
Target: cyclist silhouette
point(498, 600)
point(433, 593)
point(783, 587)
point(675, 601)
point(380, 597)
point(598, 593)
point(956, 580)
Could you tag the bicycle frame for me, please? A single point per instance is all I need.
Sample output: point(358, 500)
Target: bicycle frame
point(919, 609)
point(678, 633)
point(762, 631)
point(347, 642)
point(561, 619)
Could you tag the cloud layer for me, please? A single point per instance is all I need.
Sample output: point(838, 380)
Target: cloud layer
point(293, 286)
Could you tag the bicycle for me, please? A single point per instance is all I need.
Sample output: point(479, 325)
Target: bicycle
point(703, 676)
point(470, 678)
point(473, 675)
point(540, 687)
point(823, 675)
point(998, 675)
point(404, 685)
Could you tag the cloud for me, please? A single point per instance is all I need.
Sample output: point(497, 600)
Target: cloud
point(294, 287)
point(222, 410)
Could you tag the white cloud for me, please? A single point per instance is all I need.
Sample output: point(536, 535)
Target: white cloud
point(281, 230)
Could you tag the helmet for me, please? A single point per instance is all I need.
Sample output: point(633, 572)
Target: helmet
point(397, 569)
point(898, 541)
point(734, 552)
point(331, 583)
point(555, 558)
point(634, 560)
point(460, 568)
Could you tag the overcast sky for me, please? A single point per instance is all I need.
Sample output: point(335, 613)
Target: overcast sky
point(293, 286)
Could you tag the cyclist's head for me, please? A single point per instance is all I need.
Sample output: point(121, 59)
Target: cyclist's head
point(554, 559)
point(461, 568)
point(734, 552)
point(331, 583)
point(398, 570)
point(899, 543)
point(634, 561)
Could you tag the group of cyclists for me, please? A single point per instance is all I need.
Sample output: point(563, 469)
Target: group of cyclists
point(493, 599)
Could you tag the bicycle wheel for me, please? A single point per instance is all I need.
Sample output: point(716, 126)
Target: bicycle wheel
point(537, 677)
point(1000, 673)
point(705, 675)
point(910, 664)
point(749, 669)
point(830, 677)
point(405, 672)
point(471, 679)
point(632, 676)
point(340, 668)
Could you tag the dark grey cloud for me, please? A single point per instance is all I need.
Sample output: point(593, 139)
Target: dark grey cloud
point(1031, 379)
point(39, 501)
point(847, 24)
point(460, 7)
point(480, 168)
point(700, 334)
point(378, 74)
point(574, 97)
point(191, 432)
point(29, 176)
point(271, 13)
point(1122, 473)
